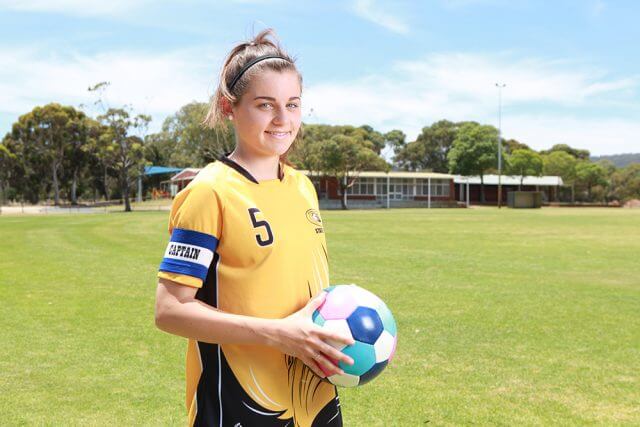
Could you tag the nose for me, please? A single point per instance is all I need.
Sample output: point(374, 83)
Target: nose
point(279, 116)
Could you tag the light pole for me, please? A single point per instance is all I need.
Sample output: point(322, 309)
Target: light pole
point(500, 86)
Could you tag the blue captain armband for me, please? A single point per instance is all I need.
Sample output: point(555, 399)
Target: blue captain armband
point(189, 252)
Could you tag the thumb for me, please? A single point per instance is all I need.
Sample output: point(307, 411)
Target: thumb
point(315, 303)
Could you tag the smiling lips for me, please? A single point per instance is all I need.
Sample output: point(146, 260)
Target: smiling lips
point(279, 135)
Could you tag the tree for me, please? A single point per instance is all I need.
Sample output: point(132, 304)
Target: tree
point(430, 149)
point(192, 143)
point(511, 145)
point(412, 157)
point(524, 163)
point(607, 165)
point(343, 157)
point(368, 134)
point(576, 153)
point(560, 163)
point(625, 183)
point(304, 155)
point(83, 131)
point(28, 171)
point(7, 161)
point(474, 151)
point(589, 175)
point(158, 149)
point(396, 139)
point(43, 134)
point(100, 159)
point(339, 152)
point(123, 151)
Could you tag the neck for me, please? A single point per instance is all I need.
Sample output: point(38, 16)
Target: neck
point(262, 168)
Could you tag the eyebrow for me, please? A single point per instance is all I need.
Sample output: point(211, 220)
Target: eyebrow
point(269, 98)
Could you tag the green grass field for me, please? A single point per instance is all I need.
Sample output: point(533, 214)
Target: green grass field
point(505, 317)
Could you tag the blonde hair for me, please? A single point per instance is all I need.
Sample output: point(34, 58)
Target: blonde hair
point(265, 43)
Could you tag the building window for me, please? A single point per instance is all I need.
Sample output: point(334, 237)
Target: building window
point(439, 187)
point(362, 187)
point(318, 185)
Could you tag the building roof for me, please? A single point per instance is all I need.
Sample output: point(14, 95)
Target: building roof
point(392, 174)
point(187, 173)
point(510, 180)
point(160, 170)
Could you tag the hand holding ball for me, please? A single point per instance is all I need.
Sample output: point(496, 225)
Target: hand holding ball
point(352, 310)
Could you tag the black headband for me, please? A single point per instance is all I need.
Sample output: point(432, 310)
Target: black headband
point(250, 64)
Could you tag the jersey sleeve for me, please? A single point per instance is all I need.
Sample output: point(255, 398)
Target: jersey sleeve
point(195, 226)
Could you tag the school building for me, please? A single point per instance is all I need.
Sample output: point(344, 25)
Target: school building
point(387, 190)
point(394, 189)
point(469, 188)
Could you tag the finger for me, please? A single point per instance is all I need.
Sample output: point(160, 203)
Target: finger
point(328, 367)
point(334, 338)
point(335, 354)
point(311, 364)
point(315, 303)
point(325, 372)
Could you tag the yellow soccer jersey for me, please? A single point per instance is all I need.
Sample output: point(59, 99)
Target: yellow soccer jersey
point(256, 249)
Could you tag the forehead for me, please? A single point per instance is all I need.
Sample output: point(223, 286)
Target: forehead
point(274, 84)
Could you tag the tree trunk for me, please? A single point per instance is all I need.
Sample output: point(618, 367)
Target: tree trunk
point(573, 198)
point(343, 199)
point(56, 189)
point(125, 196)
point(482, 189)
point(105, 186)
point(125, 190)
point(74, 187)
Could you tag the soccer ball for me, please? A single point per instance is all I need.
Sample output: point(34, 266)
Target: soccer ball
point(349, 309)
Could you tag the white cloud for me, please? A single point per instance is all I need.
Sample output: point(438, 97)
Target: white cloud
point(374, 12)
point(606, 135)
point(156, 84)
point(462, 87)
point(528, 80)
point(74, 7)
point(545, 102)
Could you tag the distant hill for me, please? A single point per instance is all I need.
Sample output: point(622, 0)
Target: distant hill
point(620, 160)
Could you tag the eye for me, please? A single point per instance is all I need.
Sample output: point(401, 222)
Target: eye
point(292, 105)
point(265, 106)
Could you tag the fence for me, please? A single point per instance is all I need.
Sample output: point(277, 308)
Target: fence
point(114, 205)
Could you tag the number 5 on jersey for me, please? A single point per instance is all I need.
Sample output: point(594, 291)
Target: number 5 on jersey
point(257, 224)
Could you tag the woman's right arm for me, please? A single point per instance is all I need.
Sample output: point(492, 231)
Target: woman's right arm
point(178, 312)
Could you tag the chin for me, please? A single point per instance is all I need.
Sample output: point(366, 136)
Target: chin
point(280, 148)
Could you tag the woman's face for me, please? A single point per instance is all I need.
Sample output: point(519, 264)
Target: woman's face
point(267, 117)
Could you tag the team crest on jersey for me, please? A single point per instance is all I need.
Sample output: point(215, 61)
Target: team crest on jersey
point(314, 218)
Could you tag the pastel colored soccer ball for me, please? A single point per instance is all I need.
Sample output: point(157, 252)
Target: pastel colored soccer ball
point(352, 310)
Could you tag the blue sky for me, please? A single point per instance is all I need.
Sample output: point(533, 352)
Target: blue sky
point(571, 68)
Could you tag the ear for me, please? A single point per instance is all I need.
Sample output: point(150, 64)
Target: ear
point(226, 106)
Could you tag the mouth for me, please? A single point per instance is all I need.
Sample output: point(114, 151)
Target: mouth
point(279, 135)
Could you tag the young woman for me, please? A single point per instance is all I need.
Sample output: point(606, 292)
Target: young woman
point(246, 258)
